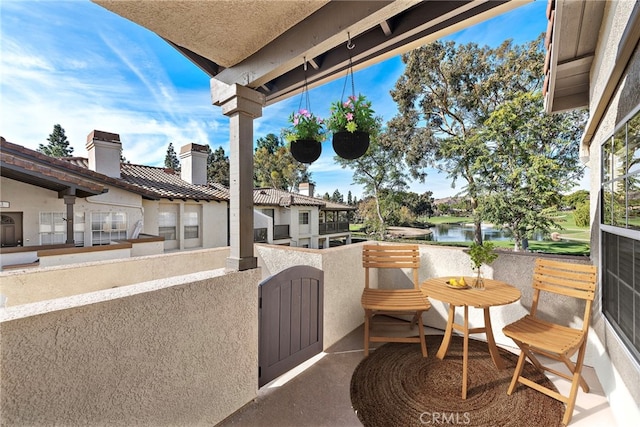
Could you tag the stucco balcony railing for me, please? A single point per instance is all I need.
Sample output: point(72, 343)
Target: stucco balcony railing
point(193, 320)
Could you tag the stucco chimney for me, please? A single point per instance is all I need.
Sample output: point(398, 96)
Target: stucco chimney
point(306, 189)
point(104, 149)
point(193, 163)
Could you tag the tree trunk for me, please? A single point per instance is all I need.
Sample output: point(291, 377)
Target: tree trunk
point(477, 223)
point(382, 227)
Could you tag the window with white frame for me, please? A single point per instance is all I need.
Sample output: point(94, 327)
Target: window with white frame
point(52, 228)
point(168, 222)
point(78, 228)
point(191, 222)
point(107, 227)
point(620, 232)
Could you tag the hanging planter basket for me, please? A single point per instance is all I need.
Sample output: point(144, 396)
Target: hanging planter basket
point(350, 145)
point(305, 150)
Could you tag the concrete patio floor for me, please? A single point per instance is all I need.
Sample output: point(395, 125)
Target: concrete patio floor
point(317, 393)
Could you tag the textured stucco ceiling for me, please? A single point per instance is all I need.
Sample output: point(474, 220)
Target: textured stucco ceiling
point(228, 31)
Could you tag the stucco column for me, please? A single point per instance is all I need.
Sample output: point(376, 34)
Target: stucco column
point(241, 105)
point(69, 201)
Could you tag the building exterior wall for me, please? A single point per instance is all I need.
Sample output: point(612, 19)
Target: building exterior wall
point(30, 200)
point(181, 351)
point(115, 200)
point(616, 368)
point(213, 223)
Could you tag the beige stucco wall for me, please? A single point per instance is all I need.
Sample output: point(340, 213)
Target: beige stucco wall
point(32, 285)
point(213, 223)
point(344, 281)
point(74, 257)
point(29, 200)
point(118, 356)
point(180, 351)
point(618, 372)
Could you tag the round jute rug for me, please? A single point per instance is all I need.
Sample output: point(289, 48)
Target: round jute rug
point(396, 386)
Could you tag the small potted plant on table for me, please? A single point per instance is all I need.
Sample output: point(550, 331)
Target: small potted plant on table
point(305, 136)
point(481, 254)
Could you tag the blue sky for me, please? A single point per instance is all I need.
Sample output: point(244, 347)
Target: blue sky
point(79, 65)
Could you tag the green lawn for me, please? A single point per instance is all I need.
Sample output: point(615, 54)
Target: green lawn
point(435, 220)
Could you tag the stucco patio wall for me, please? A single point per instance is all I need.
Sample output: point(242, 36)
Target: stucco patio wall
point(178, 351)
point(32, 285)
point(183, 350)
point(344, 280)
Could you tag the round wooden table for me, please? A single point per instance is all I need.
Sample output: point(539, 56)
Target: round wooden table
point(495, 293)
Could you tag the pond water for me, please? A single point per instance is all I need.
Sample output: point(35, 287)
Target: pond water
point(464, 232)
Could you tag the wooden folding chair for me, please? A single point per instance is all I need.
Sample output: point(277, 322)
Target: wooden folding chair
point(393, 301)
point(558, 342)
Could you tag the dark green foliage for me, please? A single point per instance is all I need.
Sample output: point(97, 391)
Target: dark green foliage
point(217, 166)
point(444, 97)
point(171, 160)
point(581, 214)
point(574, 199)
point(275, 167)
point(531, 158)
point(58, 144)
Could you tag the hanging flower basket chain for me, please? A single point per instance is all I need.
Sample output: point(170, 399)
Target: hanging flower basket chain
point(307, 131)
point(351, 121)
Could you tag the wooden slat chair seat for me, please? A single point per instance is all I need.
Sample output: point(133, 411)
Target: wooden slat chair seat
point(559, 342)
point(393, 301)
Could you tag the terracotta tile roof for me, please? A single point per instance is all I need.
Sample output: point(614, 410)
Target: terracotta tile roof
point(274, 197)
point(163, 182)
point(56, 174)
point(152, 182)
point(338, 206)
point(168, 184)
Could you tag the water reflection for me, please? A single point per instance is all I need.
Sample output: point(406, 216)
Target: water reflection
point(465, 232)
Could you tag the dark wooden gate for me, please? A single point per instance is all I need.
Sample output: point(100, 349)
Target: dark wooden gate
point(290, 320)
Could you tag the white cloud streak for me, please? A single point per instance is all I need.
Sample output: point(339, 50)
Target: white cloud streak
point(75, 64)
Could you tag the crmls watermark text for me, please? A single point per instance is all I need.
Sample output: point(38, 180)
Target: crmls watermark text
point(451, 418)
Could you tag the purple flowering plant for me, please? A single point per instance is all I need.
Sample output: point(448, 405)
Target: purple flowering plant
point(354, 114)
point(305, 125)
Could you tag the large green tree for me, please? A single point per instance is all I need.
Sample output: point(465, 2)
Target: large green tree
point(275, 167)
point(171, 160)
point(532, 158)
point(58, 145)
point(444, 97)
point(217, 166)
point(382, 174)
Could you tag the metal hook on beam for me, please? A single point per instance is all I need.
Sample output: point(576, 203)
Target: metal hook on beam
point(349, 44)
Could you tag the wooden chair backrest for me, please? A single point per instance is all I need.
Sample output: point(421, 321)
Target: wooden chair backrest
point(391, 256)
point(564, 278)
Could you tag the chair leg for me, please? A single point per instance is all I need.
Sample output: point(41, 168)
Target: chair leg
point(517, 372)
point(577, 379)
point(573, 368)
point(423, 340)
point(367, 325)
point(414, 320)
